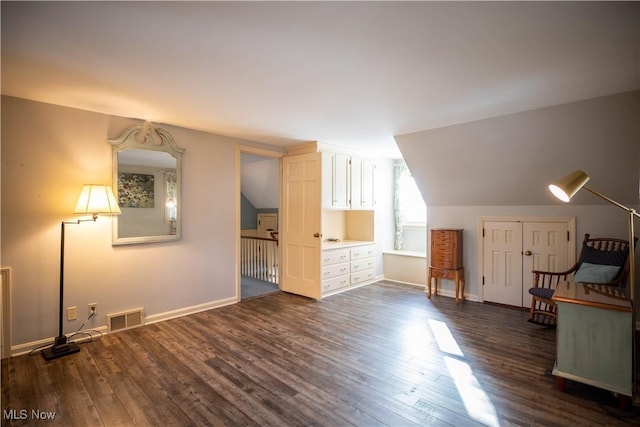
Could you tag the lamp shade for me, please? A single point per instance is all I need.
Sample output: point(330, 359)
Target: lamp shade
point(568, 186)
point(97, 199)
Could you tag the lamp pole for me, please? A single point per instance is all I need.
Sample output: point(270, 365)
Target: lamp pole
point(61, 347)
point(631, 213)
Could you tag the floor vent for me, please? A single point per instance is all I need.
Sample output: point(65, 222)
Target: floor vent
point(125, 320)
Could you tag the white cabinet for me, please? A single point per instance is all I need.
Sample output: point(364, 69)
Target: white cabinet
point(362, 181)
point(335, 180)
point(316, 204)
point(346, 267)
point(347, 182)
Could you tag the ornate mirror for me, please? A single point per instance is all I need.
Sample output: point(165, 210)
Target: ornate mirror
point(147, 166)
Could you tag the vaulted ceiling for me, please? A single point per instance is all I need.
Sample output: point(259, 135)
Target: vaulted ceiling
point(343, 73)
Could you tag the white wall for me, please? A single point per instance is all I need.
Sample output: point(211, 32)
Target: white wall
point(260, 181)
point(48, 152)
point(599, 221)
point(383, 220)
point(510, 160)
point(502, 166)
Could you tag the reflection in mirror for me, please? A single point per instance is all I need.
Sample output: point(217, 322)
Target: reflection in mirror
point(146, 177)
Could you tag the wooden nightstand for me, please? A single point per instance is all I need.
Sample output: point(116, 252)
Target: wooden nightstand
point(446, 259)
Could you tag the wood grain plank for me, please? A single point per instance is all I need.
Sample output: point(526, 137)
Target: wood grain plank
point(380, 355)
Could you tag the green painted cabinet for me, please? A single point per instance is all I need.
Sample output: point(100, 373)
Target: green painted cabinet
point(594, 338)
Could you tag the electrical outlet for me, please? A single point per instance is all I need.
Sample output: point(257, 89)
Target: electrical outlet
point(72, 313)
point(92, 309)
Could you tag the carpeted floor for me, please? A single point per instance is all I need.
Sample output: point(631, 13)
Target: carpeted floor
point(251, 288)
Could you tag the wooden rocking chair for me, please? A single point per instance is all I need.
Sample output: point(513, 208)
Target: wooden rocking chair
point(602, 261)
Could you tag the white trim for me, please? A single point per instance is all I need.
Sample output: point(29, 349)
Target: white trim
point(441, 292)
point(5, 306)
point(402, 282)
point(413, 254)
point(414, 225)
point(168, 315)
point(569, 220)
point(25, 348)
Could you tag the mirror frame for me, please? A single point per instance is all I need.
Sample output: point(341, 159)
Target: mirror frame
point(147, 137)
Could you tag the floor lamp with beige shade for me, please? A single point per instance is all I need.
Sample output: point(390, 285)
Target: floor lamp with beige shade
point(94, 200)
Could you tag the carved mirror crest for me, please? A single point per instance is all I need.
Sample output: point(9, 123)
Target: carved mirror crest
point(147, 174)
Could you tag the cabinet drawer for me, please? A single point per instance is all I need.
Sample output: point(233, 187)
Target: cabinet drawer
point(443, 260)
point(335, 283)
point(443, 274)
point(334, 270)
point(362, 252)
point(335, 256)
point(362, 264)
point(362, 276)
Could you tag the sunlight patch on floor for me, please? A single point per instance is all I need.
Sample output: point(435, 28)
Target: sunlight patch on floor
point(445, 340)
point(475, 400)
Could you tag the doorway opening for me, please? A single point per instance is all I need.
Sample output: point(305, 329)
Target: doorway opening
point(258, 255)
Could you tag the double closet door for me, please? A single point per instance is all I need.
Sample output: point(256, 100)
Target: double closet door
point(512, 249)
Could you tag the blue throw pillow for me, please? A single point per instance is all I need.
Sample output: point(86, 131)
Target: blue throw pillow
point(596, 273)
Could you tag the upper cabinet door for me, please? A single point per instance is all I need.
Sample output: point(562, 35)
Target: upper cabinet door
point(335, 181)
point(368, 184)
point(341, 188)
point(362, 183)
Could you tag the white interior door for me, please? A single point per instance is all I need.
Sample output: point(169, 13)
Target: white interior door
point(267, 222)
point(512, 249)
point(300, 225)
point(545, 246)
point(502, 263)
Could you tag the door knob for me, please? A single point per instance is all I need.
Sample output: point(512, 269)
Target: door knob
point(317, 234)
point(527, 253)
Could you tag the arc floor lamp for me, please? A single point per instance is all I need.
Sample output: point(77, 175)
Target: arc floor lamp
point(564, 190)
point(94, 200)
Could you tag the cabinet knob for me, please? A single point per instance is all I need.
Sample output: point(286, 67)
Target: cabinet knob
point(317, 235)
point(527, 253)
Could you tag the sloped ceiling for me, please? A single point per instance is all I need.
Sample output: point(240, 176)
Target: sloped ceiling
point(342, 73)
point(260, 181)
point(511, 160)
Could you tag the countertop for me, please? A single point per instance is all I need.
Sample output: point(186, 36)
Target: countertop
point(344, 244)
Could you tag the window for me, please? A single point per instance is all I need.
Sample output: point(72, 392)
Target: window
point(410, 209)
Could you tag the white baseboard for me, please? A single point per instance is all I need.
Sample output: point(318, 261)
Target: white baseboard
point(441, 292)
point(25, 348)
point(402, 282)
point(168, 315)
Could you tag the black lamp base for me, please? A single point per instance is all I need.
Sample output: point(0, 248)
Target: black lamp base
point(61, 348)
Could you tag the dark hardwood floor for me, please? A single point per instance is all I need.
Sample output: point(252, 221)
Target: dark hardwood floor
point(380, 355)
